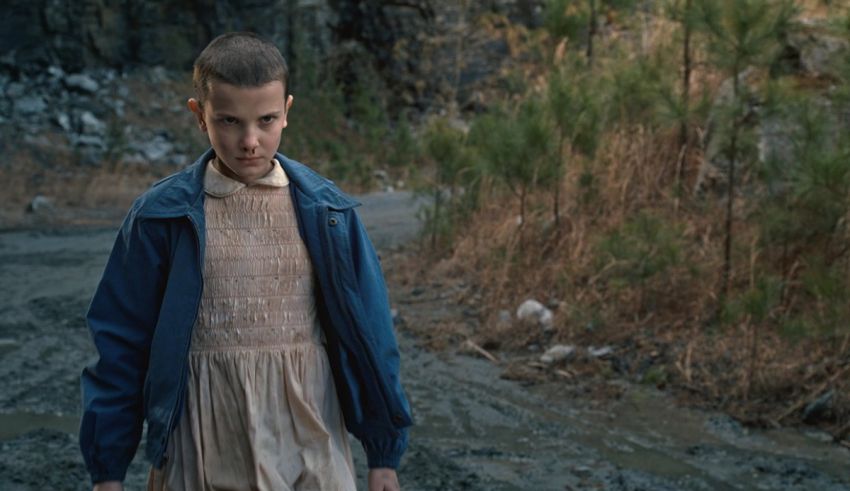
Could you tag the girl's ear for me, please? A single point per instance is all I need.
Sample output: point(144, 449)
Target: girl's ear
point(196, 108)
point(289, 101)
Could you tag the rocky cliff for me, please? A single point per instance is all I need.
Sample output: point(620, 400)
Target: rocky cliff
point(404, 41)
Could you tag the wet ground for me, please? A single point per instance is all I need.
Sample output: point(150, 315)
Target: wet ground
point(475, 431)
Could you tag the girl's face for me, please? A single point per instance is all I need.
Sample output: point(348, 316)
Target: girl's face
point(244, 125)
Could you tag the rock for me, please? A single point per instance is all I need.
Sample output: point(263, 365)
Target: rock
point(40, 204)
point(180, 159)
point(556, 353)
point(55, 71)
point(30, 105)
point(133, 159)
point(504, 317)
point(536, 312)
point(91, 125)
point(816, 408)
point(816, 53)
point(7, 343)
point(63, 120)
point(93, 141)
point(155, 150)
point(118, 107)
point(599, 352)
point(380, 175)
point(15, 90)
point(82, 83)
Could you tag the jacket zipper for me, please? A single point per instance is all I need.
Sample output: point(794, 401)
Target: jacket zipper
point(181, 386)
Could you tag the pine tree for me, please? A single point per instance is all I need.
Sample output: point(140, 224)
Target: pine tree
point(576, 114)
point(684, 13)
point(741, 34)
point(446, 147)
point(573, 18)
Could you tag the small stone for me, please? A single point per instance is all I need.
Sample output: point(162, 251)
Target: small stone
point(63, 120)
point(600, 352)
point(15, 90)
point(81, 82)
point(534, 311)
point(7, 343)
point(55, 71)
point(30, 105)
point(118, 107)
point(94, 141)
point(816, 408)
point(40, 204)
point(504, 317)
point(156, 149)
point(91, 125)
point(557, 353)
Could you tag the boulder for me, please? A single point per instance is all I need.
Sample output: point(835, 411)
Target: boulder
point(154, 150)
point(29, 105)
point(15, 90)
point(40, 204)
point(63, 121)
point(535, 312)
point(817, 53)
point(91, 125)
point(600, 352)
point(81, 83)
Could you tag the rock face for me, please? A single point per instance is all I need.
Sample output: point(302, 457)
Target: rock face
point(116, 34)
point(810, 54)
point(91, 81)
point(411, 45)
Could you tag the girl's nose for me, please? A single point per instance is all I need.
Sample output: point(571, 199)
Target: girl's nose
point(250, 141)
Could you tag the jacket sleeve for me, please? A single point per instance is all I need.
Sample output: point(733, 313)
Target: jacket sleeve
point(383, 448)
point(121, 317)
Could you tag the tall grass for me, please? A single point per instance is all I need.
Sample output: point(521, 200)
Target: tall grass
point(639, 258)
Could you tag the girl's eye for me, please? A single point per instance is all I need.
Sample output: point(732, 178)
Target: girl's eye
point(229, 120)
point(267, 119)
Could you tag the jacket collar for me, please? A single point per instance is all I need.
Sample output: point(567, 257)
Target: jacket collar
point(182, 193)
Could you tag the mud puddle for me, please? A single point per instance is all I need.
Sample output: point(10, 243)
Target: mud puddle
point(475, 431)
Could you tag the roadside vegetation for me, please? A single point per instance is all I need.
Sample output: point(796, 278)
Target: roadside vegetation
point(672, 184)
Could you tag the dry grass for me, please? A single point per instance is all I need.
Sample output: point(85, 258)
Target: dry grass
point(79, 194)
point(663, 327)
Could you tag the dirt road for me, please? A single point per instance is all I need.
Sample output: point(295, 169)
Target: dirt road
point(474, 430)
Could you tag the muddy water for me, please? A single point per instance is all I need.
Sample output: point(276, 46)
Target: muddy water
point(474, 430)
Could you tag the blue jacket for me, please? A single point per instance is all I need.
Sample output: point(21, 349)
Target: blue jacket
point(144, 308)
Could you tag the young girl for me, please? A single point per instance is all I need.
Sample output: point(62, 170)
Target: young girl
point(243, 313)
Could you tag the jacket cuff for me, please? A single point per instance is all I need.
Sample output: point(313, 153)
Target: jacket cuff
point(107, 476)
point(385, 452)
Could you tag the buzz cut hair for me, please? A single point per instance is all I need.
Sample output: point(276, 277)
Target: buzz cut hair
point(243, 59)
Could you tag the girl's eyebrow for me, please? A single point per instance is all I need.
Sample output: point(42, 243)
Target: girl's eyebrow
point(275, 113)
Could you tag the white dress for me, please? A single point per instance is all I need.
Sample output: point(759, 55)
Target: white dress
point(261, 411)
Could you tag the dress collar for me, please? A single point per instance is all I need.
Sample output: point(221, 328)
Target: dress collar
point(218, 185)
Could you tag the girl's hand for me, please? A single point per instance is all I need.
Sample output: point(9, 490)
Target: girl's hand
point(109, 486)
point(383, 479)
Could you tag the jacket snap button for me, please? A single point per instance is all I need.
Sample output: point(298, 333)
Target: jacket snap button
point(333, 221)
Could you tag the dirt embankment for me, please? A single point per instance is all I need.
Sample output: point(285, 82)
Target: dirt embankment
point(474, 429)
